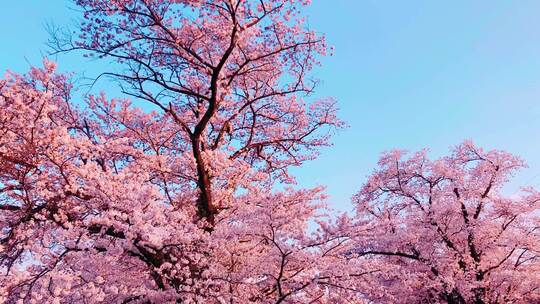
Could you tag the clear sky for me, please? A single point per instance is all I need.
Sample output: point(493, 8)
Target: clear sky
point(407, 74)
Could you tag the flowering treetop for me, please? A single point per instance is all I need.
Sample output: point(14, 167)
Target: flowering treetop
point(443, 231)
point(230, 74)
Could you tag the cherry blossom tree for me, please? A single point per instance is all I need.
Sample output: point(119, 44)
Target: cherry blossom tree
point(103, 202)
point(96, 206)
point(442, 231)
point(231, 75)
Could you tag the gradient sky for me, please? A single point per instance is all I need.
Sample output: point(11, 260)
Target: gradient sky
point(407, 74)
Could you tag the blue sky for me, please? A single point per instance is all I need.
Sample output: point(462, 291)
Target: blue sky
point(407, 74)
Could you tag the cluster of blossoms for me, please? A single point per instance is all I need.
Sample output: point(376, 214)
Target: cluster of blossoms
point(176, 202)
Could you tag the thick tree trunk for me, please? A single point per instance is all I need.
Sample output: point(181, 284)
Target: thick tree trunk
point(204, 201)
